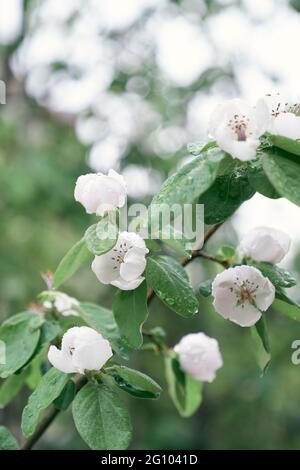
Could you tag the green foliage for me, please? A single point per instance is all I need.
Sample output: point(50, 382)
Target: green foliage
point(101, 418)
point(290, 310)
point(49, 388)
point(205, 288)
point(101, 237)
point(278, 276)
point(192, 180)
point(131, 312)
point(20, 335)
point(134, 382)
point(230, 189)
point(12, 386)
point(71, 262)
point(7, 440)
point(171, 284)
point(259, 181)
point(261, 344)
point(283, 172)
point(284, 143)
point(185, 392)
point(175, 240)
point(103, 321)
point(64, 400)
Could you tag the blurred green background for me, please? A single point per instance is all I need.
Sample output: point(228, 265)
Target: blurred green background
point(126, 84)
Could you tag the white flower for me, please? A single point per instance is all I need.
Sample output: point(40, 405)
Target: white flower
point(265, 244)
point(82, 348)
point(124, 265)
point(199, 356)
point(241, 294)
point(285, 116)
point(237, 127)
point(99, 193)
point(63, 303)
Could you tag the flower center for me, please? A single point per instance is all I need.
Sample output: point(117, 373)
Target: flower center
point(239, 125)
point(71, 351)
point(245, 291)
point(119, 254)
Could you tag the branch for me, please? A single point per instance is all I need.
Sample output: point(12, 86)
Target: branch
point(196, 254)
point(53, 412)
point(49, 418)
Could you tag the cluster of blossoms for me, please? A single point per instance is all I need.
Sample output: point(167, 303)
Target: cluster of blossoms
point(237, 127)
point(240, 294)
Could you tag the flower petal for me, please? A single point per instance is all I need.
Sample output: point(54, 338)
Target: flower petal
point(127, 285)
point(106, 268)
point(134, 265)
point(60, 361)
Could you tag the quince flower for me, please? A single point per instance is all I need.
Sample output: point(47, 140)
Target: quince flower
point(82, 348)
point(62, 302)
point(236, 127)
point(285, 116)
point(124, 265)
point(100, 193)
point(199, 356)
point(265, 244)
point(241, 294)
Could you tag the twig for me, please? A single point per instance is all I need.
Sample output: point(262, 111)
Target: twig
point(53, 412)
point(48, 419)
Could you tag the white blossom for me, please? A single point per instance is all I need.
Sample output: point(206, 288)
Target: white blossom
point(199, 356)
point(82, 348)
point(236, 127)
point(265, 244)
point(124, 265)
point(285, 116)
point(100, 193)
point(241, 294)
point(63, 303)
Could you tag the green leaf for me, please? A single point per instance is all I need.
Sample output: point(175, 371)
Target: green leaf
point(101, 418)
point(171, 284)
point(35, 372)
point(284, 143)
point(261, 328)
point(131, 312)
point(102, 237)
point(103, 321)
point(66, 397)
point(134, 382)
point(175, 240)
point(49, 331)
point(71, 262)
point(7, 440)
point(225, 253)
point(278, 276)
point(192, 180)
point(259, 181)
point(287, 309)
point(152, 245)
point(11, 387)
point(205, 288)
point(49, 388)
point(20, 335)
point(196, 148)
point(185, 392)
point(284, 173)
point(261, 344)
point(225, 196)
